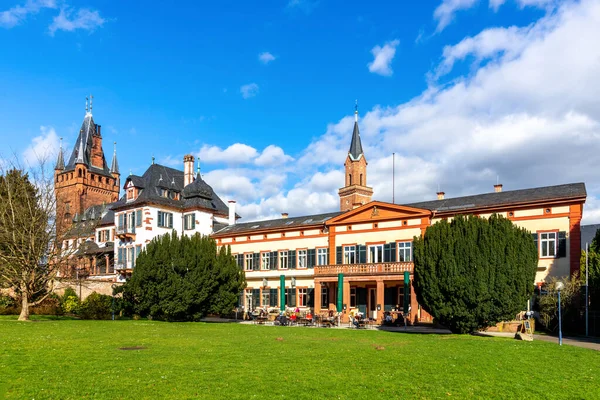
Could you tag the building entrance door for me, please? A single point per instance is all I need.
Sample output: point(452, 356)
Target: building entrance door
point(372, 303)
point(361, 300)
point(376, 253)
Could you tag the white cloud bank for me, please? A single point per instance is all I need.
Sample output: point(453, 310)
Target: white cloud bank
point(528, 111)
point(16, 15)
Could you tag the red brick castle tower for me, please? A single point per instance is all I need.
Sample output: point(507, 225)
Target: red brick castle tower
point(86, 179)
point(356, 192)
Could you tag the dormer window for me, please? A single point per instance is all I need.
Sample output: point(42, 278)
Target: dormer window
point(130, 193)
point(164, 193)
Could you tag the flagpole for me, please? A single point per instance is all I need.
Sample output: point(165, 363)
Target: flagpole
point(587, 285)
point(394, 178)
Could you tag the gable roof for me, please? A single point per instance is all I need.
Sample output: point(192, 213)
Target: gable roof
point(280, 223)
point(375, 211)
point(574, 191)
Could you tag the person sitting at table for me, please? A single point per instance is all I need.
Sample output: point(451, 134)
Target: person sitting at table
point(354, 320)
point(388, 319)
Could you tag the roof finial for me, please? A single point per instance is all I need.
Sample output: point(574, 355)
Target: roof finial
point(130, 173)
point(61, 142)
point(115, 147)
point(152, 159)
point(198, 167)
point(91, 99)
point(86, 104)
point(356, 111)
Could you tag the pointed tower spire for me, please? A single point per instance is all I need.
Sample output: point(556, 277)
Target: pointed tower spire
point(356, 150)
point(60, 161)
point(114, 167)
point(80, 152)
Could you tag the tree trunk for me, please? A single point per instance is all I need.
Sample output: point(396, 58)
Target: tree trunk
point(24, 316)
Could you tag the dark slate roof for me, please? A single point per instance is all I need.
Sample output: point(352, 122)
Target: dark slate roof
point(85, 224)
point(83, 148)
point(60, 160)
point(89, 248)
point(114, 167)
point(505, 198)
point(356, 149)
point(295, 222)
point(197, 194)
point(588, 232)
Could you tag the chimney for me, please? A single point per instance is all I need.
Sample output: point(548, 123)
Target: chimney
point(231, 212)
point(284, 215)
point(440, 195)
point(188, 169)
point(498, 187)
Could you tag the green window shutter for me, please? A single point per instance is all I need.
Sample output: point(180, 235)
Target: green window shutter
point(170, 220)
point(138, 217)
point(290, 297)
point(562, 244)
point(138, 250)
point(273, 298)
point(310, 258)
point(273, 260)
point(255, 298)
point(535, 241)
point(386, 252)
point(121, 221)
point(292, 259)
point(193, 221)
point(310, 297)
point(328, 262)
point(256, 261)
point(393, 252)
point(362, 253)
point(339, 259)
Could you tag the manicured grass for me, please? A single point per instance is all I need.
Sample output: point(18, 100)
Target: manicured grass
point(64, 359)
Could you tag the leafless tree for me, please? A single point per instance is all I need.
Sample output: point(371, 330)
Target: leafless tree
point(30, 255)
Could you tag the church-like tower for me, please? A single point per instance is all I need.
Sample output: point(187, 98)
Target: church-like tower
point(355, 192)
point(85, 180)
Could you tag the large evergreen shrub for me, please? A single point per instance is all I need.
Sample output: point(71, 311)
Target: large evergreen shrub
point(183, 279)
point(96, 306)
point(474, 272)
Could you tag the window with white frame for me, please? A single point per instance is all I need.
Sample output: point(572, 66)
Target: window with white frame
point(321, 256)
point(302, 297)
point(349, 254)
point(404, 251)
point(301, 258)
point(249, 262)
point(165, 219)
point(548, 244)
point(324, 297)
point(265, 260)
point(283, 259)
point(189, 222)
point(266, 298)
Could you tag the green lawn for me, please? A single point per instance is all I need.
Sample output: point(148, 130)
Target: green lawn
point(63, 359)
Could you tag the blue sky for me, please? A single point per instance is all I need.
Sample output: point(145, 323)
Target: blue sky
point(463, 91)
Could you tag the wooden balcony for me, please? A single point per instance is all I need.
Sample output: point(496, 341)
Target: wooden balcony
point(390, 268)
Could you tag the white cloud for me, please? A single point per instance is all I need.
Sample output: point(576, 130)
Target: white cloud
point(272, 156)
point(69, 20)
point(266, 57)
point(249, 90)
point(444, 13)
point(17, 14)
point(382, 58)
point(495, 4)
point(43, 148)
point(237, 153)
point(307, 6)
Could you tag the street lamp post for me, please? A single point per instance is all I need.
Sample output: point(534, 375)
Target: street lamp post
point(559, 286)
point(113, 286)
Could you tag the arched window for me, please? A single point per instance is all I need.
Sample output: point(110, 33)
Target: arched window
point(349, 179)
point(361, 182)
point(79, 172)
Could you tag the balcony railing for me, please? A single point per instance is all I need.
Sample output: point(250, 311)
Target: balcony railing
point(126, 231)
point(123, 265)
point(390, 268)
